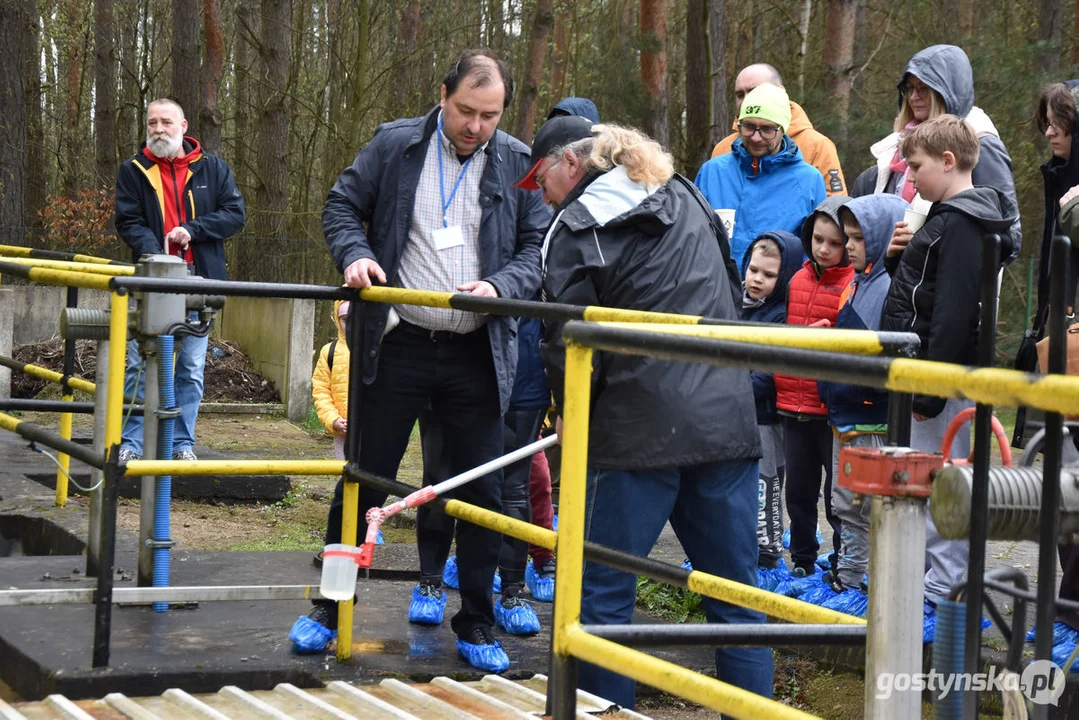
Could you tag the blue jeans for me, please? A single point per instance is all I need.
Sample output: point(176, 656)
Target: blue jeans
point(190, 364)
point(713, 510)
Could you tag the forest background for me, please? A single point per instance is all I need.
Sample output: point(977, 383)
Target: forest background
point(287, 91)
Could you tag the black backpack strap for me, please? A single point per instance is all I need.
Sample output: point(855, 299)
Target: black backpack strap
point(330, 354)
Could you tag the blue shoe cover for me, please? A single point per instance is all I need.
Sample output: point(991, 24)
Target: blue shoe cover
point(518, 620)
point(824, 561)
point(496, 584)
point(542, 588)
point(490, 658)
point(379, 540)
point(554, 522)
point(818, 594)
point(449, 573)
point(796, 587)
point(929, 622)
point(770, 578)
point(851, 601)
point(1062, 633)
point(787, 539)
point(1061, 653)
point(687, 565)
point(426, 610)
point(308, 636)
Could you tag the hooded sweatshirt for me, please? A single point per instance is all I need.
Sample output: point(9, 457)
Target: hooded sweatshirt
point(577, 107)
point(814, 296)
point(772, 309)
point(817, 149)
point(853, 409)
point(1059, 176)
point(945, 254)
point(946, 70)
point(775, 192)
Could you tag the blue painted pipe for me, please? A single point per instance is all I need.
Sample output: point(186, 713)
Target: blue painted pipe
point(948, 642)
point(163, 484)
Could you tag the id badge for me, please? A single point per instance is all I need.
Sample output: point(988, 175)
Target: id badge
point(448, 237)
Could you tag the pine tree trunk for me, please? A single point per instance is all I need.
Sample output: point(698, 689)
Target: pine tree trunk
point(15, 29)
point(104, 91)
point(699, 106)
point(406, 44)
point(803, 33)
point(560, 51)
point(717, 33)
point(537, 51)
point(654, 68)
point(837, 58)
point(35, 142)
point(271, 189)
point(185, 60)
point(247, 28)
point(1050, 18)
point(212, 68)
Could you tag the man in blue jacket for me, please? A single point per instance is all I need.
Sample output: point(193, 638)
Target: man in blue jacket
point(764, 178)
point(429, 204)
point(173, 198)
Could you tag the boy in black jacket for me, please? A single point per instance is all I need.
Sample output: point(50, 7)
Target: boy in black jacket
point(767, 268)
point(935, 292)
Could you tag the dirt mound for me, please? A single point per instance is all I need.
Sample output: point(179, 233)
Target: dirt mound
point(229, 375)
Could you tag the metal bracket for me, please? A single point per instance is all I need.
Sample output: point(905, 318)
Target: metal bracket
point(158, 544)
point(168, 413)
point(894, 471)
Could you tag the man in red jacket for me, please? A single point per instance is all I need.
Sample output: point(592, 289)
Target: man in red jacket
point(813, 300)
point(173, 198)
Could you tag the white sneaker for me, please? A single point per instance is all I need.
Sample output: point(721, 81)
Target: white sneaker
point(126, 455)
point(184, 455)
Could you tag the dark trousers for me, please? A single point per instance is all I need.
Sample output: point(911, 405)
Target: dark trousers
point(434, 529)
point(457, 378)
point(521, 428)
point(1069, 582)
point(808, 453)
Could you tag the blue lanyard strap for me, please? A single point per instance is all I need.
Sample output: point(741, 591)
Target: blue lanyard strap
point(441, 179)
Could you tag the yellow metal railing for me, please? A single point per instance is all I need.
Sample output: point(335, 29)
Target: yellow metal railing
point(1053, 393)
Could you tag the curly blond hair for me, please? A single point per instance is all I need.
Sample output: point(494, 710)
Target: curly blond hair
point(644, 159)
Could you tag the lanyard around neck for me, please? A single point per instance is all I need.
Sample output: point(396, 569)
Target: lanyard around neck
point(441, 179)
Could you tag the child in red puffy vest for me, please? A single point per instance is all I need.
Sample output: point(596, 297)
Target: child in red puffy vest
point(813, 300)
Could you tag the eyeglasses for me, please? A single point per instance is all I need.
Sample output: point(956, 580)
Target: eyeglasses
point(911, 90)
point(541, 179)
point(766, 132)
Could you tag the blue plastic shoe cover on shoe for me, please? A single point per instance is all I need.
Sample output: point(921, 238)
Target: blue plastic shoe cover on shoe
point(308, 636)
point(379, 540)
point(818, 594)
point(1061, 653)
point(424, 610)
point(687, 565)
point(520, 620)
point(554, 522)
point(496, 584)
point(491, 658)
point(770, 578)
point(824, 561)
point(1061, 633)
point(850, 601)
point(449, 573)
point(797, 587)
point(787, 539)
point(542, 588)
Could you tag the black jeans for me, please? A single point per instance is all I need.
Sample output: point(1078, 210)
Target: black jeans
point(521, 428)
point(457, 378)
point(434, 529)
point(808, 452)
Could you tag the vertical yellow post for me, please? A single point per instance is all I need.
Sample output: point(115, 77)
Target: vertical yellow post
point(350, 508)
point(114, 403)
point(571, 497)
point(62, 458)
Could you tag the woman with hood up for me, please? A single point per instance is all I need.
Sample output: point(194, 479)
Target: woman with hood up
point(939, 80)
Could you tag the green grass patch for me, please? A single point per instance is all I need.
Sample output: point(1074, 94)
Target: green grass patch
point(668, 602)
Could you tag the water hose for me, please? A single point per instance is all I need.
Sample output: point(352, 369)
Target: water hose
point(163, 483)
point(948, 643)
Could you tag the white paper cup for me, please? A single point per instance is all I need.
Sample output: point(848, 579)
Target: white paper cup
point(726, 216)
point(914, 220)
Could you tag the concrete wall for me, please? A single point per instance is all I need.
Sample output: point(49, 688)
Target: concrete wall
point(37, 310)
point(278, 336)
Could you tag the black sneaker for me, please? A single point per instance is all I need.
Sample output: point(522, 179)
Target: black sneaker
point(325, 614)
point(479, 635)
point(317, 559)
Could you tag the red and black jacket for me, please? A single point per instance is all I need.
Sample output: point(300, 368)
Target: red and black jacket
point(204, 201)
